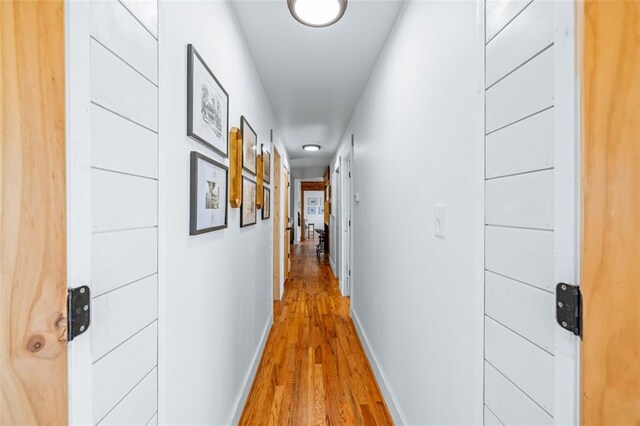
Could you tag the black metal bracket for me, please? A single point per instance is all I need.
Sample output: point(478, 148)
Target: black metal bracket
point(78, 311)
point(569, 308)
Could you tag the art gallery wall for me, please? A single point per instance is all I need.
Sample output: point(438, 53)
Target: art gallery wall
point(215, 289)
point(417, 299)
point(316, 219)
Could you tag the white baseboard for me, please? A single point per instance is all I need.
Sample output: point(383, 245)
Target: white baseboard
point(241, 399)
point(333, 267)
point(387, 393)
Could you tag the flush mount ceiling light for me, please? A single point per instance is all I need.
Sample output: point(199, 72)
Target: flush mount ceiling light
point(317, 13)
point(311, 147)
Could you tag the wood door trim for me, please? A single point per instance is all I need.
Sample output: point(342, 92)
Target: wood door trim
point(276, 223)
point(610, 271)
point(33, 228)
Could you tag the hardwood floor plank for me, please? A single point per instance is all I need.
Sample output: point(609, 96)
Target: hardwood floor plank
point(314, 370)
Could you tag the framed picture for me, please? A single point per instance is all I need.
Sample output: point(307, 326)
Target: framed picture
point(207, 105)
point(248, 209)
point(249, 146)
point(320, 209)
point(311, 210)
point(209, 180)
point(313, 201)
point(266, 164)
point(266, 204)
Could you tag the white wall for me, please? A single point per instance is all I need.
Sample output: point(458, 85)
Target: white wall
point(216, 288)
point(318, 218)
point(417, 300)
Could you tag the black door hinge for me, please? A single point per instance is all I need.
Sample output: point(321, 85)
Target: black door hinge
point(569, 308)
point(78, 311)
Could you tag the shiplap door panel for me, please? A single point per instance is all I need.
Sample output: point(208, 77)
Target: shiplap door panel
point(500, 12)
point(522, 254)
point(490, 419)
point(119, 31)
point(120, 314)
point(528, 366)
point(527, 310)
point(522, 147)
point(524, 92)
point(139, 406)
point(121, 145)
point(524, 200)
point(122, 201)
point(527, 35)
point(116, 374)
point(121, 89)
point(510, 404)
point(145, 11)
point(119, 258)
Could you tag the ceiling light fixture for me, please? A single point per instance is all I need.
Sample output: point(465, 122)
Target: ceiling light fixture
point(311, 147)
point(317, 13)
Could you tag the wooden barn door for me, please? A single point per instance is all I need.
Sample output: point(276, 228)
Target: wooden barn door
point(33, 287)
point(611, 213)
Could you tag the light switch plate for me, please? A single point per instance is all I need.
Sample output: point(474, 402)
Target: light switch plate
point(439, 220)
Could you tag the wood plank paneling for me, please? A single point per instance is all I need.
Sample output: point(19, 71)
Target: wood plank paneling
point(121, 145)
point(122, 201)
point(145, 11)
point(528, 34)
point(510, 404)
point(526, 310)
point(528, 366)
point(500, 12)
point(119, 88)
point(522, 254)
point(119, 314)
point(523, 147)
point(33, 228)
point(138, 406)
point(526, 91)
point(610, 277)
point(118, 30)
point(122, 369)
point(118, 258)
point(524, 200)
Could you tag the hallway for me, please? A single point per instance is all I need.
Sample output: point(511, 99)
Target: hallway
point(314, 369)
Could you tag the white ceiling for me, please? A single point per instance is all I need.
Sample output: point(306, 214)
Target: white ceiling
point(314, 77)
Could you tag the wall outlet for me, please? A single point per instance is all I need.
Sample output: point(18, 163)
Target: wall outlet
point(439, 221)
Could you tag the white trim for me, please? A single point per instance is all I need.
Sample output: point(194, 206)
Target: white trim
point(333, 267)
point(241, 399)
point(387, 392)
point(566, 201)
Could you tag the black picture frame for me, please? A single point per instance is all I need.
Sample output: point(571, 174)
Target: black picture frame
point(192, 55)
point(193, 208)
point(244, 205)
point(266, 164)
point(266, 203)
point(244, 127)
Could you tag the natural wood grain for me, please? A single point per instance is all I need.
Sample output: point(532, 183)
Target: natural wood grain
point(33, 350)
point(259, 182)
point(611, 213)
point(313, 369)
point(235, 167)
point(276, 223)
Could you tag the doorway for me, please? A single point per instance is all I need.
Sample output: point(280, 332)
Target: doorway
point(277, 168)
point(347, 222)
point(309, 210)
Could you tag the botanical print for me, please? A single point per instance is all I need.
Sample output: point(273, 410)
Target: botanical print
point(266, 204)
point(211, 109)
point(212, 197)
point(266, 163)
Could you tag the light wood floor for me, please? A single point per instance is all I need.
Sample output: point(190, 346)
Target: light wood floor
point(314, 370)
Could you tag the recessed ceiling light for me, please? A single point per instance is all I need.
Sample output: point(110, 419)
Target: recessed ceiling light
point(312, 147)
point(317, 13)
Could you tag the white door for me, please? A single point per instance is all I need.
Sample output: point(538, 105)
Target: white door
point(346, 214)
point(530, 208)
point(112, 98)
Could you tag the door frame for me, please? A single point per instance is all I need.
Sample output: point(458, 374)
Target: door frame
point(346, 215)
point(308, 186)
point(277, 172)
